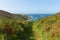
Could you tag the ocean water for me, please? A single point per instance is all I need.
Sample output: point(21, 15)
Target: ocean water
point(36, 16)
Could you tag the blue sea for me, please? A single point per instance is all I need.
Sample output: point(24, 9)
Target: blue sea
point(36, 16)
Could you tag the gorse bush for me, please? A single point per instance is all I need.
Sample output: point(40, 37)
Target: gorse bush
point(16, 29)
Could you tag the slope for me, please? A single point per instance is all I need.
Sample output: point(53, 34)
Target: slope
point(47, 28)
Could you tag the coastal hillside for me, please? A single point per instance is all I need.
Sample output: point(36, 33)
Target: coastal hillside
point(47, 28)
point(15, 26)
point(8, 15)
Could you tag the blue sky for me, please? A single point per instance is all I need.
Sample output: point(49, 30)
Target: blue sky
point(30, 6)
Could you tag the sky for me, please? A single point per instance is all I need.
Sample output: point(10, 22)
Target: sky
point(30, 6)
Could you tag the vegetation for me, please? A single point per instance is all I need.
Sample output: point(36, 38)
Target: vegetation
point(16, 27)
point(47, 28)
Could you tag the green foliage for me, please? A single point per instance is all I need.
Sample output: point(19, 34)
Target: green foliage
point(16, 27)
point(47, 28)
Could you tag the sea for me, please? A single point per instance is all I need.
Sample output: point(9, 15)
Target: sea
point(37, 16)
